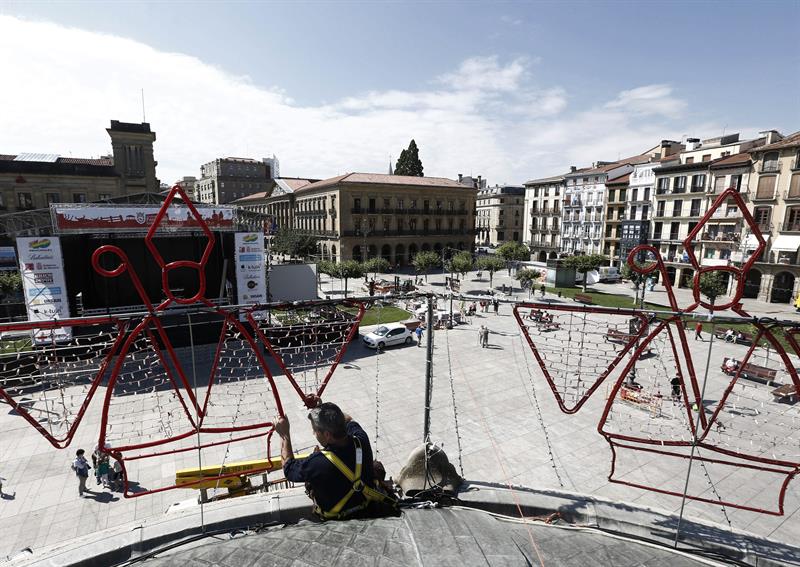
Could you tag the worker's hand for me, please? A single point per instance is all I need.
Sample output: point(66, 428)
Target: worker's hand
point(313, 401)
point(282, 426)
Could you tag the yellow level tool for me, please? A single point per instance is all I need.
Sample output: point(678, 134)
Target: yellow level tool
point(208, 476)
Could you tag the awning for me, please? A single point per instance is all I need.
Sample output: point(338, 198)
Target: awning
point(786, 243)
point(751, 242)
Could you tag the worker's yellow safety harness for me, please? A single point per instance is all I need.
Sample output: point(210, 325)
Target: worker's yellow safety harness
point(338, 512)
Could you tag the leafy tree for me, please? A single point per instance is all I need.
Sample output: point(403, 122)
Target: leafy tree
point(347, 270)
point(461, 263)
point(513, 252)
point(409, 163)
point(10, 283)
point(629, 274)
point(294, 244)
point(375, 265)
point(424, 261)
point(490, 264)
point(712, 285)
point(585, 264)
point(527, 278)
point(326, 267)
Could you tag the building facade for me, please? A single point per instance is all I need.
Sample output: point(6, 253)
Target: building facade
point(187, 184)
point(34, 181)
point(226, 179)
point(775, 197)
point(542, 215)
point(499, 215)
point(366, 215)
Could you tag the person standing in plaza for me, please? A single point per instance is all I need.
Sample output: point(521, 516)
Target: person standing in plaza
point(541, 288)
point(81, 467)
point(496, 305)
point(418, 332)
point(484, 336)
point(698, 331)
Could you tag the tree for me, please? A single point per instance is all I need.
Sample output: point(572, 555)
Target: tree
point(527, 278)
point(409, 163)
point(712, 285)
point(10, 283)
point(585, 264)
point(326, 267)
point(375, 265)
point(461, 263)
point(635, 277)
point(294, 244)
point(347, 270)
point(424, 261)
point(490, 264)
point(514, 252)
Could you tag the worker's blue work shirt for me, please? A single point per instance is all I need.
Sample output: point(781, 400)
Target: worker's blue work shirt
point(327, 483)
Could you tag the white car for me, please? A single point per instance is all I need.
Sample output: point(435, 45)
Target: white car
point(388, 335)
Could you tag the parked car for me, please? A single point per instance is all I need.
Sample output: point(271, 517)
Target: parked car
point(388, 335)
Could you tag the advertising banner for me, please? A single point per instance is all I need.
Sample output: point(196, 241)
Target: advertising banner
point(71, 219)
point(251, 275)
point(45, 287)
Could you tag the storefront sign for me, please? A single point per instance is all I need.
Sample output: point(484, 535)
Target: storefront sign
point(71, 219)
point(44, 285)
point(251, 275)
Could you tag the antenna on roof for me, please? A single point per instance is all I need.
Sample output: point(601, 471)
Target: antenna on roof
point(144, 116)
point(723, 129)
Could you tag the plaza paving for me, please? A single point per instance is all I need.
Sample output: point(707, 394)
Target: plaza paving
point(507, 419)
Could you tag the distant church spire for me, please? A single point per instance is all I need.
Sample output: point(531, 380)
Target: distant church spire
point(390, 165)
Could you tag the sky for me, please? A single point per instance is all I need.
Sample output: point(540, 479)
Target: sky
point(511, 91)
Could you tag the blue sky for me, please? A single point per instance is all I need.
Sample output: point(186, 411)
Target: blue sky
point(510, 90)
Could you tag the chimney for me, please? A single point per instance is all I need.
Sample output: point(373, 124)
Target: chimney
point(460, 177)
point(480, 185)
point(670, 147)
point(573, 169)
point(771, 136)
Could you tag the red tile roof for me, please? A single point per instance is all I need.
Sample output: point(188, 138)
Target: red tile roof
point(734, 160)
point(254, 197)
point(295, 184)
point(623, 180)
point(6, 157)
point(386, 179)
point(789, 141)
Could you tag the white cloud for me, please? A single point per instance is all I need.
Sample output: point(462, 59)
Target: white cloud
point(64, 85)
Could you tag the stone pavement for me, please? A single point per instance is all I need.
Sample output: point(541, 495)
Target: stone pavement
point(505, 420)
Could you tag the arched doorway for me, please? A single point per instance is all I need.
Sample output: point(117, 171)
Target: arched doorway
point(542, 256)
point(333, 252)
point(386, 253)
point(324, 251)
point(752, 284)
point(782, 288)
point(437, 248)
point(412, 251)
point(372, 251)
point(426, 247)
point(357, 253)
point(687, 278)
point(553, 255)
point(399, 255)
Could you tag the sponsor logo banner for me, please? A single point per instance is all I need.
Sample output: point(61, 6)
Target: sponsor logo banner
point(69, 219)
point(251, 275)
point(44, 286)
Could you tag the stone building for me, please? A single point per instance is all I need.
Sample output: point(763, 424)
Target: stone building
point(34, 181)
point(542, 214)
point(277, 201)
point(187, 183)
point(364, 215)
point(499, 215)
point(226, 179)
point(616, 202)
point(775, 197)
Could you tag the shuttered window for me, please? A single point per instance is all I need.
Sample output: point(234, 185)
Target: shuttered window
point(794, 186)
point(766, 187)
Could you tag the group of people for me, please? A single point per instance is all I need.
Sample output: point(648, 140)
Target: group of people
point(106, 473)
point(483, 336)
point(495, 303)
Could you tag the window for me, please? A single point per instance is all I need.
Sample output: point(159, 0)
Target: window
point(766, 187)
point(661, 206)
point(674, 230)
point(794, 187)
point(372, 204)
point(762, 216)
point(677, 206)
point(698, 183)
point(387, 203)
point(770, 162)
point(24, 201)
point(706, 157)
point(535, 192)
point(426, 205)
point(635, 194)
point(679, 185)
point(657, 228)
point(646, 194)
point(690, 159)
point(79, 198)
point(357, 204)
point(736, 182)
point(645, 211)
point(695, 208)
point(56, 197)
point(719, 184)
point(611, 194)
point(792, 219)
point(425, 225)
point(400, 204)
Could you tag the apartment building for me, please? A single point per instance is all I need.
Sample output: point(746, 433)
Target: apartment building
point(365, 215)
point(226, 179)
point(775, 276)
point(187, 183)
point(681, 201)
point(542, 216)
point(499, 215)
point(35, 180)
point(616, 204)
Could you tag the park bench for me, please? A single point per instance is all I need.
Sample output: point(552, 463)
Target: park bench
point(547, 327)
point(786, 393)
point(746, 338)
point(751, 372)
point(584, 298)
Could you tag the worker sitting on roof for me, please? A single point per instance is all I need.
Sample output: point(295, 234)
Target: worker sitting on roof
point(340, 478)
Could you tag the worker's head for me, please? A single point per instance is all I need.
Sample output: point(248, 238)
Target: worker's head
point(79, 453)
point(328, 423)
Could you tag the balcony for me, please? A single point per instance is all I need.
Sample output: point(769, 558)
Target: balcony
point(770, 167)
point(721, 237)
point(720, 214)
point(699, 188)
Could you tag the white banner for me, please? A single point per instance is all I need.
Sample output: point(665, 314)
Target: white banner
point(251, 275)
point(45, 287)
point(133, 218)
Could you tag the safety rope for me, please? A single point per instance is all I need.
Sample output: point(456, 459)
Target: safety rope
point(455, 407)
point(376, 445)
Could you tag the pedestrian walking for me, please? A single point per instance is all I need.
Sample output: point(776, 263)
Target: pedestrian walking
point(418, 332)
point(102, 471)
point(541, 289)
point(81, 467)
point(698, 331)
point(496, 305)
point(484, 336)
